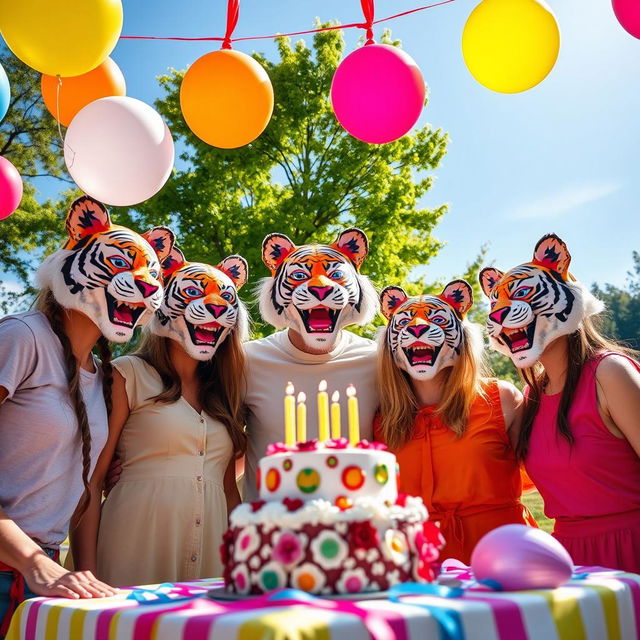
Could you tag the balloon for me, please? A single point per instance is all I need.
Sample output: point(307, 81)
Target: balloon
point(510, 45)
point(5, 93)
point(77, 92)
point(377, 93)
point(119, 151)
point(519, 557)
point(226, 98)
point(61, 37)
point(10, 188)
point(628, 14)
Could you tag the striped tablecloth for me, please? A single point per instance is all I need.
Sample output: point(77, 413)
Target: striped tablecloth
point(600, 606)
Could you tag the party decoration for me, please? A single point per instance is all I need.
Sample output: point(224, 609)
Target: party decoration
point(628, 14)
point(510, 45)
point(335, 415)
point(323, 411)
point(353, 416)
point(226, 98)
point(516, 557)
point(70, 95)
point(272, 479)
point(119, 150)
point(353, 477)
point(301, 417)
point(289, 415)
point(61, 37)
point(10, 188)
point(378, 93)
point(5, 93)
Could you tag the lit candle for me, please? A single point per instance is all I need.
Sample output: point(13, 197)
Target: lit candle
point(323, 411)
point(302, 417)
point(289, 416)
point(335, 415)
point(354, 419)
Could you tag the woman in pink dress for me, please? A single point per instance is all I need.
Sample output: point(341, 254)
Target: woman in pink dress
point(580, 433)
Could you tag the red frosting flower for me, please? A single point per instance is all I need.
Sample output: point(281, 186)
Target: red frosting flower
point(277, 447)
point(257, 505)
point(292, 504)
point(309, 445)
point(337, 443)
point(401, 500)
point(363, 535)
point(365, 444)
point(428, 542)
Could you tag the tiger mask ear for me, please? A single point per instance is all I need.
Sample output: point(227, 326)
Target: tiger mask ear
point(551, 252)
point(489, 278)
point(390, 299)
point(174, 261)
point(162, 240)
point(354, 244)
point(236, 268)
point(86, 216)
point(459, 295)
point(275, 248)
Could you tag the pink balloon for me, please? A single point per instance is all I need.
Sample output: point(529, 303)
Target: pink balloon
point(519, 557)
point(628, 14)
point(378, 93)
point(10, 188)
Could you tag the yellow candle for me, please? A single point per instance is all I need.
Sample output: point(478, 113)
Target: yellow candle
point(335, 415)
point(289, 416)
point(354, 419)
point(323, 411)
point(302, 417)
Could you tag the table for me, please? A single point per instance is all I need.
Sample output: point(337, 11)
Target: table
point(600, 605)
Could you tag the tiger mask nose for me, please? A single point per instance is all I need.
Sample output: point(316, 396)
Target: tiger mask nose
point(499, 315)
point(146, 289)
point(216, 310)
point(320, 292)
point(417, 329)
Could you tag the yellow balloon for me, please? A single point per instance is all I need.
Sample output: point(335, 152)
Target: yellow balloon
point(510, 45)
point(61, 37)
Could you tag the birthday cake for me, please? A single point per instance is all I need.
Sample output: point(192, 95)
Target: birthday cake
point(329, 521)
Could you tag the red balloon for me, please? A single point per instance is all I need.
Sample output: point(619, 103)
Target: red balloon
point(10, 188)
point(628, 14)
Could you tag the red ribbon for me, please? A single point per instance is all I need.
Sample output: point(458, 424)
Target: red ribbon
point(233, 12)
point(368, 10)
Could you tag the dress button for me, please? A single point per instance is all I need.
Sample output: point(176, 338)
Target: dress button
point(202, 420)
point(199, 478)
point(198, 522)
point(201, 452)
point(194, 558)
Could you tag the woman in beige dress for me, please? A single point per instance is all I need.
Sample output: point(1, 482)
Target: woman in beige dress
point(177, 427)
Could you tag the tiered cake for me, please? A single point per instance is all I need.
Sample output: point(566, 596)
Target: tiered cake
point(329, 521)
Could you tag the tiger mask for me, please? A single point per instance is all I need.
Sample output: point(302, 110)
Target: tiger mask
point(107, 272)
point(425, 333)
point(317, 289)
point(200, 306)
point(534, 303)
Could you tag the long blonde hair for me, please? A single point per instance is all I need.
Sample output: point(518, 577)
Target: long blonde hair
point(221, 381)
point(463, 383)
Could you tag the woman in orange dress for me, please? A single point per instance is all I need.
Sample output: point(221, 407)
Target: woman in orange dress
point(446, 422)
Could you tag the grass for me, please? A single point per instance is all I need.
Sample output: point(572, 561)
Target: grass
point(534, 503)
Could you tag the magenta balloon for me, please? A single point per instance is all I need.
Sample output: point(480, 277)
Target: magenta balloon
point(628, 14)
point(518, 557)
point(10, 188)
point(378, 93)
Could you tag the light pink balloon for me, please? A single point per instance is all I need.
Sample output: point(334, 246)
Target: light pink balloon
point(628, 14)
point(378, 93)
point(518, 557)
point(10, 188)
point(119, 150)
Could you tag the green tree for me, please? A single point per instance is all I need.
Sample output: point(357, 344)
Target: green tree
point(304, 176)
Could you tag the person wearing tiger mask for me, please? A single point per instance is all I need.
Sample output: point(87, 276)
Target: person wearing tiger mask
point(177, 427)
point(580, 433)
point(55, 394)
point(447, 422)
point(313, 293)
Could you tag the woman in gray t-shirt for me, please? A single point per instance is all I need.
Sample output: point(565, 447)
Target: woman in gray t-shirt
point(54, 394)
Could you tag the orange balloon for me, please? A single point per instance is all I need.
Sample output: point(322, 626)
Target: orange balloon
point(77, 92)
point(226, 98)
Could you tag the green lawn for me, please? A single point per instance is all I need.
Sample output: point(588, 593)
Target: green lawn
point(534, 503)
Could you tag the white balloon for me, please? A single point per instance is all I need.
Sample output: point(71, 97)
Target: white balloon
point(119, 150)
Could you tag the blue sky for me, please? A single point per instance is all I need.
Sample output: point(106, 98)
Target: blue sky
point(561, 157)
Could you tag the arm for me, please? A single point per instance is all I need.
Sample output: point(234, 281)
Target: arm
point(511, 401)
point(84, 532)
point(618, 386)
point(231, 492)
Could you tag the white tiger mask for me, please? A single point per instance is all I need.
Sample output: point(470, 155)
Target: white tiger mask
point(425, 333)
point(200, 306)
point(109, 273)
point(534, 303)
point(317, 289)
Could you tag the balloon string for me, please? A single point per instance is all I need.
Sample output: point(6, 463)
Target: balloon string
point(368, 10)
point(233, 12)
point(62, 140)
point(353, 25)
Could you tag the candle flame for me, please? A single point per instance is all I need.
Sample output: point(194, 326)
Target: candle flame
point(289, 390)
point(351, 391)
point(322, 386)
point(302, 396)
point(335, 397)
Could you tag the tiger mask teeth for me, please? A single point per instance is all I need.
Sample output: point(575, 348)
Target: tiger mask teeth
point(519, 338)
point(123, 314)
point(421, 354)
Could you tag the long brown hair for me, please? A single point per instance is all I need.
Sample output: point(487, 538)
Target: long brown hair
point(221, 381)
point(583, 345)
point(54, 312)
point(398, 404)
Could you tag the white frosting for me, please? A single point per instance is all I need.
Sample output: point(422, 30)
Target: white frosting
point(283, 474)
